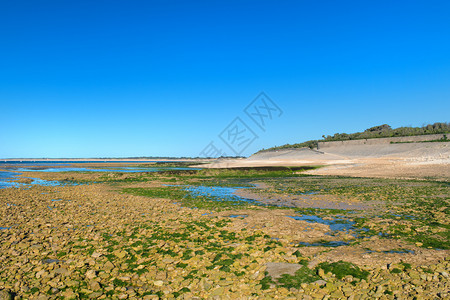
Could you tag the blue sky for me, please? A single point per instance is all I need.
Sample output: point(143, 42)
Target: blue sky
point(164, 78)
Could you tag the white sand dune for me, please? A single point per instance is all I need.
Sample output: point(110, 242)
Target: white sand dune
point(380, 160)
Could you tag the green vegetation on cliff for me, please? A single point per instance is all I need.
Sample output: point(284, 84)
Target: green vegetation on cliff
point(381, 131)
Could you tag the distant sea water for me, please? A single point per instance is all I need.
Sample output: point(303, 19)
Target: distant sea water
point(60, 166)
point(62, 162)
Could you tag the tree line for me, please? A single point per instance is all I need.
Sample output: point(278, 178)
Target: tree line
point(381, 131)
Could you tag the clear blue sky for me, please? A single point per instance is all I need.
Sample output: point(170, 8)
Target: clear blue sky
point(164, 78)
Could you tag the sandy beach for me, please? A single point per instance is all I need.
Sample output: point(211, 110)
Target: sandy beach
point(418, 160)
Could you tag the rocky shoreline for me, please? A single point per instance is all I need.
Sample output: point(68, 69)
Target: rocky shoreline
point(92, 241)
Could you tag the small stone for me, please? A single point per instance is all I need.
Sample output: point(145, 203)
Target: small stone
point(62, 271)
point(120, 254)
point(414, 274)
point(445, 274)
point(331, 286)
point(108, 266)
point(69, 294)
point(39, 274)
point(158, 283)
point(72, 283)
point(91, 274)
point(125, 278)
point(217, 292)
point(337, 294)
point(94, 285)
point(321, 273)
point(320, 282)
point(255, 275)
point(205, 284)
point(347, 290)
point(377, 295)
point(95, 295)
point(96, 255)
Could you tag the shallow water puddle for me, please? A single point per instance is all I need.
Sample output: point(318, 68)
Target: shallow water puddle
point(308, 193)
point(335, 224)
point(238, 216)
point(324, 244)
point(50, 261)
point(222, 193)
point(38, 181)
point(216, 193)
point(6, 177)
point(400, 251)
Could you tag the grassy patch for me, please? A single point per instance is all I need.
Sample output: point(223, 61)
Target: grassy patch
point(342, 268)
point(172, 193)
point(302, 275)
point(266, 282)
